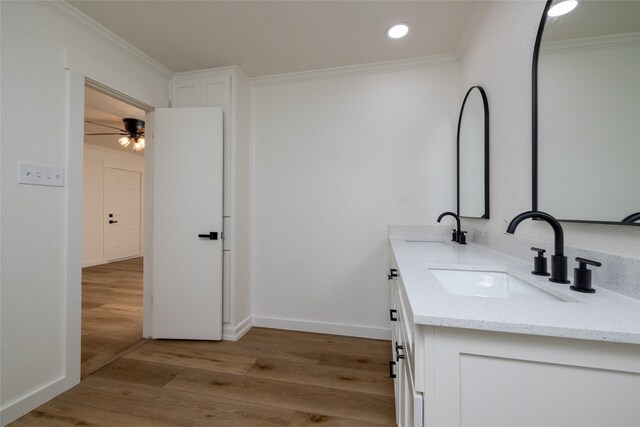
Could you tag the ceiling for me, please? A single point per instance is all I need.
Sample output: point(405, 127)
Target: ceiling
point(103, 108)
point(274, 37)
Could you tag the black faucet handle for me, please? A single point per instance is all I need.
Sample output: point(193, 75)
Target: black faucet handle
point(454, 235)
point(540, 263)
point(582, 275)
point(583, 262)
point(462, 238)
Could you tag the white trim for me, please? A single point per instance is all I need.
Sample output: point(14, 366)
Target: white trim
point(354, 70)
point(22, 405)
point(323, 327)
point(101, 33)
point(590, 43)
point(75, 207)
point(232, 198)
point(147, 233)
point(231, 333)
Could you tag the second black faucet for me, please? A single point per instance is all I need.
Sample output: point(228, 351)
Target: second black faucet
point(558, 260)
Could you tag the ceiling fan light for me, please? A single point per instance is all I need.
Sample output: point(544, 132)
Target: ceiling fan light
point(125, 141)
point(138, 145)
point(141, 141)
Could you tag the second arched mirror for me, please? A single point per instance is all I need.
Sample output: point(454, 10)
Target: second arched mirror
point(473, 155)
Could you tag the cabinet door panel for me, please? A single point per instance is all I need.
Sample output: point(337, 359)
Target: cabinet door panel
point(186, 94)
point(520, 394)
point(217, 93)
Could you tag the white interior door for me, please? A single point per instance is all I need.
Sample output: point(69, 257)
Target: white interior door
point(122, 213)
point(187, 207)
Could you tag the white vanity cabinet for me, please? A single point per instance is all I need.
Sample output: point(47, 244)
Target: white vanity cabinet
point(456, 376)
point(402, 366)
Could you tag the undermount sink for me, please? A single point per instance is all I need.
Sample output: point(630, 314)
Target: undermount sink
point(489, 284)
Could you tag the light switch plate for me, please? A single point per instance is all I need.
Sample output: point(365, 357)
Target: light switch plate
point(30, 173)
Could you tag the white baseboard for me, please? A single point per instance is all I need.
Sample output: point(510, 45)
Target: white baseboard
point(14, 410)
point(323, 327)
point(231, 333)
point(93, 262)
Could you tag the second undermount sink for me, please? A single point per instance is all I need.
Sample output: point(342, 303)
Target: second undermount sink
point(489, 284)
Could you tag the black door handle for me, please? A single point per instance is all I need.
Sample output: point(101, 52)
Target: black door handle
point(213, 235)
point(112, 221)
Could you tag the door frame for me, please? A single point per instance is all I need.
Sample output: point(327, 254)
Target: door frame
point(74, 181)
point(110, 164)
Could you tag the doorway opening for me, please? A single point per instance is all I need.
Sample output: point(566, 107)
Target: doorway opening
point(113, 216)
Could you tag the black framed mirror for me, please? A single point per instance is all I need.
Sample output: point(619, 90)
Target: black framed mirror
point(586, 111)
point(472, 155)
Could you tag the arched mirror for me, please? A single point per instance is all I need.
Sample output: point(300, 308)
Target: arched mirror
point(586, 112)
point(473, 155)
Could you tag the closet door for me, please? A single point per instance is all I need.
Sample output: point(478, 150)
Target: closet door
point(187, 223)
point(122, 213)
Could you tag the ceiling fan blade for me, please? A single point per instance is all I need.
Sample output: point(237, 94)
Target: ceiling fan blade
point(109, 133)
point(107, 126)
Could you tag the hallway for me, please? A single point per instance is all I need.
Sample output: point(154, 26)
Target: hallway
point(111, 311)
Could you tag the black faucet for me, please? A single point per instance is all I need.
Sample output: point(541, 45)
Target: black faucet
point(634, 217)
point(558, 260)
point(458, 235)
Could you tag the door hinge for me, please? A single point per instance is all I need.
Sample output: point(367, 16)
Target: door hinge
point(392, 365)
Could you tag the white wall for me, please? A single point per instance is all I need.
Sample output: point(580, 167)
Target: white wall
point(36, 44)
point(498, 58)
point(336, 159)
point(93, 211)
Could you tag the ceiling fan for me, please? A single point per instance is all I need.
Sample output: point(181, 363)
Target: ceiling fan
point(133, 132)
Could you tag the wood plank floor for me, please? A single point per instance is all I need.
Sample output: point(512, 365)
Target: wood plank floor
point(268, 378)
point(111, 311)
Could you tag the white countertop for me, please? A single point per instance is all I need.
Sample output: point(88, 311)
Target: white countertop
point(603, 316)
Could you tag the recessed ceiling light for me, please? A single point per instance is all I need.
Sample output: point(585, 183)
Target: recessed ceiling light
point(398, 31)
point(562, 8)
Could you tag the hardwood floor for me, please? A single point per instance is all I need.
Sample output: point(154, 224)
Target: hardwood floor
point(111, 311)
point(268, 378)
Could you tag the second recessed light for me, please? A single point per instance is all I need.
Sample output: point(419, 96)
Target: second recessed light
point(398, 31)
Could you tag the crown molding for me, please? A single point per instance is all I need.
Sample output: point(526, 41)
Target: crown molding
point(206, 72)
point(590, 43)
point(74, 16)
point(353, 70)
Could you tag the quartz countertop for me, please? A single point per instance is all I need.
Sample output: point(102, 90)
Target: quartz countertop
point(603, 316)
